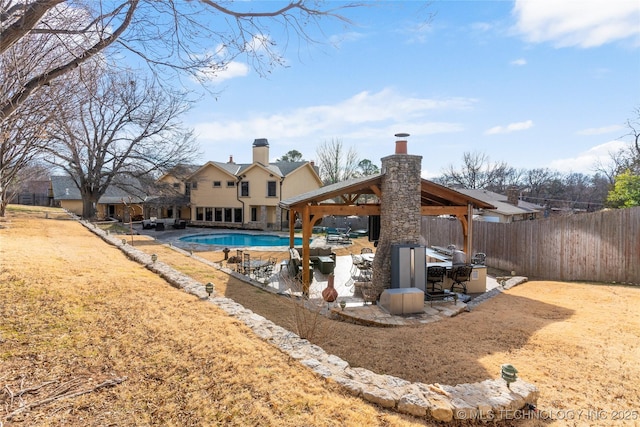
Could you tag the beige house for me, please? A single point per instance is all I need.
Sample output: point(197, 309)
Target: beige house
point(121, 201)
point(171, 195)
point(247, 195)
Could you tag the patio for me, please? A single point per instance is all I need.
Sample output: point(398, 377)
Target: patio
point(356, 309)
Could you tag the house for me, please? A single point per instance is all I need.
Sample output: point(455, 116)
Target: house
point(508, 208)
point(120, 201)
point(171, 195)
point(247, 195)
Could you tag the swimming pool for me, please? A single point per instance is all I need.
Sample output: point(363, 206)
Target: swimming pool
point(240, 239)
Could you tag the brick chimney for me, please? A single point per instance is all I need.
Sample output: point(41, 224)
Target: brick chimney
point(512, 196)
point(230, 159)
point(261, 151)
point(400, 208)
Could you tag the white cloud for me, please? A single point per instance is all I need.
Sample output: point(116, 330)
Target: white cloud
point(519, 62)
point(511, 127)
point(370, 113)
point(585, 24)
point(601, 130)
point(585, 162)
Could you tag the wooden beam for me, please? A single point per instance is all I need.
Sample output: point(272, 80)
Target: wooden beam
point(469, 243)
point(337, 209)
point(444, 210)
point(376, 190)
point(306, 236)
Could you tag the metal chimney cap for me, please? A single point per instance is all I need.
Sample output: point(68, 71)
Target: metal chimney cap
point(401, 135)
point(260, 142)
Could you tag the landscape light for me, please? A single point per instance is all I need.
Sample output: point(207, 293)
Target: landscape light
point(154, 258)
point(124, 241)
point(209, 288)
point(509, 374)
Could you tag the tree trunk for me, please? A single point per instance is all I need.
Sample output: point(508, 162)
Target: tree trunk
point(89, 203)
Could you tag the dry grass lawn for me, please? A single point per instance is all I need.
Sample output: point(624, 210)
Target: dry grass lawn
point(75, 312)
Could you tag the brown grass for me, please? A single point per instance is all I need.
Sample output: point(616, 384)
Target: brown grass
point(75, 310)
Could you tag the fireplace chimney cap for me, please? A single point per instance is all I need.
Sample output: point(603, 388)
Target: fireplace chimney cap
point(401, 135)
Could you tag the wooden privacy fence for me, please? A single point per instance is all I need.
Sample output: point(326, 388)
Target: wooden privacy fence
point(601, 246)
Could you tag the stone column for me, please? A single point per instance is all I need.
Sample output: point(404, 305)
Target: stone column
point(400, 208)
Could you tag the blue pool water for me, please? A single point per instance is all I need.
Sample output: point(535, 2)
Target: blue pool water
point(240, 239)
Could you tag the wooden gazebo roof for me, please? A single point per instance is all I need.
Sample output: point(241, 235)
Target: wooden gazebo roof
point(343, 198)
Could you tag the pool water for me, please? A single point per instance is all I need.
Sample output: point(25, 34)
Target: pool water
point(240, 239)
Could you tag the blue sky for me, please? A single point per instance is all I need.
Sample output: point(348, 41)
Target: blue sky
point(531, 83)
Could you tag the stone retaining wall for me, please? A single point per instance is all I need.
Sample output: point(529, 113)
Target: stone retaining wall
point(489, 400)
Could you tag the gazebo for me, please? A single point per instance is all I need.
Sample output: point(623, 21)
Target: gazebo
point(398, 176)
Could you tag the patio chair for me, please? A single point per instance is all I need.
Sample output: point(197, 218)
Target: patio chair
point(435, 276)
point(460, 275)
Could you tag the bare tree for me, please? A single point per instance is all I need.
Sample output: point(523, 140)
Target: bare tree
point(167, 35)
point(476, 172)
point(335, 163)
point(120, 126)
point(627, 158)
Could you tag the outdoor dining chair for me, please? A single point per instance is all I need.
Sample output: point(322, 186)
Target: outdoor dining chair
point(435, 276)
point(460, 275)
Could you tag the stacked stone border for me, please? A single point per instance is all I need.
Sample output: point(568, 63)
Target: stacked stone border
point(486, 401)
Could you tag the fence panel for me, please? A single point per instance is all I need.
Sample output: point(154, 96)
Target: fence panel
point(602, 246)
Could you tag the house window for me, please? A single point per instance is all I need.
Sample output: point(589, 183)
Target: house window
point(254, 214)
point(217, 184)
point(217, 215)
point(244, 189)
point(208, 214)
point(199, 214)
point(227, 214)
point(176, 186)
point(237, 215)
point(231, 183)
point(271, 189)
point(187, 189)
point(194, 185)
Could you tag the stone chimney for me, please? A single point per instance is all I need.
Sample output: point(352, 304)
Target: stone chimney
point(261, 151)
point(512, 196)
point(400, 208)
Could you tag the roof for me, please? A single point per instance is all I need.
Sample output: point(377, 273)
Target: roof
point(502, 206)
point(64, 188)
point(278, 168)
point(431, 194)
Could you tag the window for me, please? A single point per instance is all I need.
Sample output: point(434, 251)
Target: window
point(217, 215)
point(176, 186)
point(231, 183)
point(217, 184)
point(237, 215)
point(187, 188)
point(227, 214)
point(254, 214)
point(244, 189)
point(194, 185)
point(271, 189)
point(208, 214)
point(199, 214)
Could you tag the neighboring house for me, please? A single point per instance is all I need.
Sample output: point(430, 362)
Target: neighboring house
point(119, 202)
point(247, 195)
point(508, 208)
